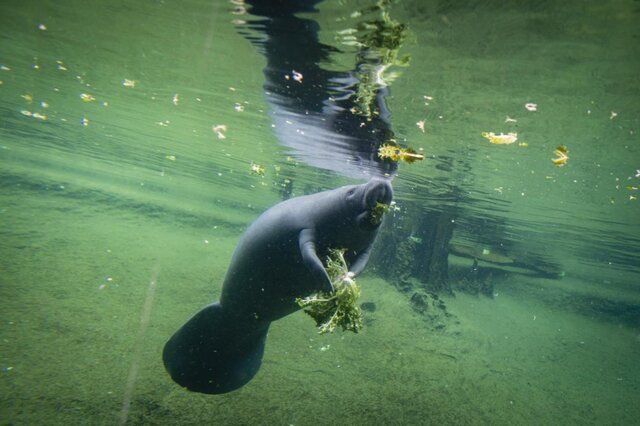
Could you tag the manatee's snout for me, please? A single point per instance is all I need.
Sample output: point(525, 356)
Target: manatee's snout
point(376, 197)
point(378, 191)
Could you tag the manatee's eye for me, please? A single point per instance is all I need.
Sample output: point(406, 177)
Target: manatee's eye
point(351, 192)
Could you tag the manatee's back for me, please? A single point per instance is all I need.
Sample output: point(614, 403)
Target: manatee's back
point(266, 272)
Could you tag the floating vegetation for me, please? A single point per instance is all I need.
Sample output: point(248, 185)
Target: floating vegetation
point(562, 156)
point(378, 40)
point(394, 152)
point(501, 139)
point(339, 308)
point(378, 212)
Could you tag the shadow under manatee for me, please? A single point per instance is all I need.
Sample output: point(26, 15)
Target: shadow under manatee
point(315, 110)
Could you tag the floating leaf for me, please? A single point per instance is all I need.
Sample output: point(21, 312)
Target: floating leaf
point(562, 156)
point(394, 152)
point(501, 139)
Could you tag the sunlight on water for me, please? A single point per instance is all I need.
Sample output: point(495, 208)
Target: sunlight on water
point(140, 140)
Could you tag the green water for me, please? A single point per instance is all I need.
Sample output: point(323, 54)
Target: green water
point(119, 214)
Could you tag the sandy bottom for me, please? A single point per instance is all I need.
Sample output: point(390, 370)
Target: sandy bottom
point(73, 292)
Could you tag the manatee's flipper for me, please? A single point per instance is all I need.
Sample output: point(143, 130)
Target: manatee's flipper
point(215, 353)
point(360, 261)
point(307, 243)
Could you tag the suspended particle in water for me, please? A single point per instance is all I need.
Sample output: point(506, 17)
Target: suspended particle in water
point(86, 97)
point(257, 169)
point(220, 130)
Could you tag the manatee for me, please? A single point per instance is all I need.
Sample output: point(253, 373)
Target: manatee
point(277, 260)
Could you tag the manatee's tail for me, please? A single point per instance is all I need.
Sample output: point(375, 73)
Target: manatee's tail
point(214, 353)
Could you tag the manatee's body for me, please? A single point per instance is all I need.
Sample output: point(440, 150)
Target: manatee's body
point(277, 260)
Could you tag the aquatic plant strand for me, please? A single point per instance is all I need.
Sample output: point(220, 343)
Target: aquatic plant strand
point(339, 308)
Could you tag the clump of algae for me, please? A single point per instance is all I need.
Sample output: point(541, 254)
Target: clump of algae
point(340, 307)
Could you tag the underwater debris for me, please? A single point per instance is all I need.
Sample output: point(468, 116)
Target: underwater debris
point(129, 83)
point(531, 106)
point(562, 155)
point(257, 169)
point(219, 130)
point(340, 308)
point(394, 152)
point(420, 125)
point(87, 97)
point(37, 115)
point(297, 76)
point(501, 139)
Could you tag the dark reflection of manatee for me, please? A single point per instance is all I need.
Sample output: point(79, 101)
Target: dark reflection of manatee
point(313, 111)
